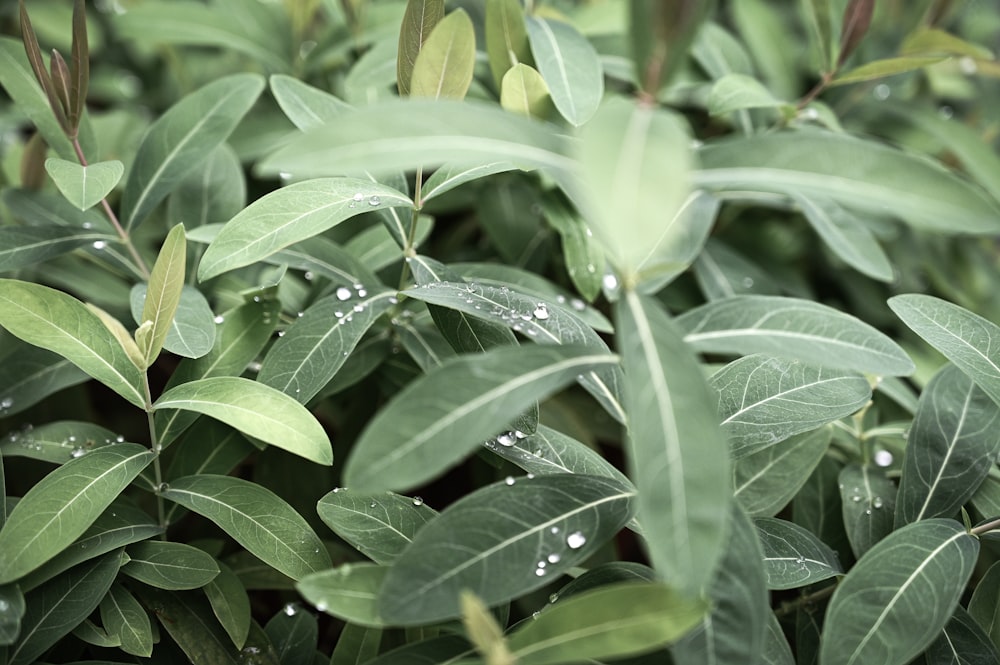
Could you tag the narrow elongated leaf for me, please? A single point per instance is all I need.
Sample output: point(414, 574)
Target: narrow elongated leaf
point(860, 175)
point(192, 331)
point(18, 80)
point(539, 528)
point(541, 320)
point(319, 342)
point(443, 67)
point(736, 92)
point(441, 417)
point(182, 137)
point(614, 620)
point(29, 374)
point(61, 506)
point(776, 649)
point(677, 452)
point(307, 107)
point(255, 409)
point(764, 482)
point(660, 36)
point(846, 236)
point(23, 246)
point(722, 272)
point(868, 501)
point(84, 186)
point(962, 641)
point(230, 604)
point(792, 328)
point(324, 258)
point(583, 256)
point(60, 323)
point(878, 69)
point(951, 446)
point(448, 177)
point(356, 645)
point(123, 617)
point(173, 566)
point(380, 525)
point(418, 21)
point(570, 66)
point(506, 37)
point(289, 215)
point(163, 293)
point(257, 518)
point(55, 609)
point(349, 592)
point(764, 400)
point(982, 605)
point(965, 338)
point(635, 163)
point(58, 442)
point(898, 597)
point(793, 556)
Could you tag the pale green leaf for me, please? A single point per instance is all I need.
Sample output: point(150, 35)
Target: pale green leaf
point(846, 236)
point(378, 525)
point(792, 328)
point(914, 577)
point(793, 556)
point(523, 90)
point(418, 21)
point(124, 617)
point(736, 92)
point(506, 37)
point(24, 246)
point(307, 107)
point(570, 66)
point(255, 409)
point(60, 507)
point(163, 293)
point(182, 138)
point(610, 621)
point(677, 452)
point(18, 80)
point(213, 193)
point(192, 331)
point(951, 446)
point(539, 528)
point(764, 482)
point(166, 565)
point(256, 518)
point(443, 416)
point(289, 215)
point(449, 177)
point(58, 322)
point(764, 400)
point(443, 67)
point(878, 69)
point(348, 592)
point(84, 186)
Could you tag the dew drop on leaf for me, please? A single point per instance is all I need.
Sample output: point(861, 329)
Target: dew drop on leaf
point(290, 609)
point(343, 293)
point(509, 480)
point(417, 501)
point(576, 540)
point(100, 244)
point(883, 458)
point(374, 201)
point(219, 319)
point(553, 558)
point(877, 502)
point(541, 313)
point(507, 439)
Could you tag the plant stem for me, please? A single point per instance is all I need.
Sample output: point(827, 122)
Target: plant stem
point(794, 605)
point(415, 217)
point(983, 528)
point(161, 515)
point(122, 233)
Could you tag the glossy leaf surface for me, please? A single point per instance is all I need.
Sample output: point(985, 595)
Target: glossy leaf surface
point(379, 525)
point(793, 556)
point(167, 565)
point(764, 482)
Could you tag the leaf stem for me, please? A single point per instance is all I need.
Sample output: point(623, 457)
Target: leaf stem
point(415, 217)
point(161, 516)
point(792, 606)
point(983, 528)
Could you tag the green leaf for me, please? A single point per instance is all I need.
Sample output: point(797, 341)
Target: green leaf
point(256, 518)
point(776, 649)
point(951, 446)
point(764, 400)
point(230, 604)
point(660, 36)
point(62, 324)
point(163, 293)
point(324, 258)
point(448, 177)
point(962, 641)
point(289, 215)
point(570, 66)
point(435, 650)
point(927, 40)
point(820, 17)
point(12, 602)
point(793, 556)
point(764, 482)
point(539, 529)
point(348, 592)
point(255, 409)
point(58, 442)
point(861, 175)
point(90, 633)
point(84, 186)
point(19, 81)
point(736, 92)
point(24, 246)
point(523, 90)
point(982, 606)
point(319, 342)
point(723, 272)
point(173, 566)
point(294, 635)
point(584, 258)
point(61, 506)
point(610, 621)
point(356, 645)
point(868, 501)
point(307, 107)
point(506, 37)
point(541, 320)
point(443, 67)
point(30, 374)
point(60, 605)
point(846, 236)
point(379, 525)
point(123, 617)
point(438, 419)
point(677, 452)
point(418, 21)
point(213, 193)
point(192, 331)
point(914, 577)
point(965, 338)
point(182, 138)
point(635, 165)
point(792, 328)
point(878, 69)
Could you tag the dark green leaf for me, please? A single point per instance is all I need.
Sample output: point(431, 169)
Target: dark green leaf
point(230, 604)
point(294, 634)
point(348, 592)
point(172, 566)
point(868, 501)
point(847, 236)
point(962, 642)
point(983, 605)
point(764, 482)
point(24, 246)
point(776, 649)
point(722, 272)
point(18, 80)
point(380, 525)
point(213, 193)
point(123, 617)
point(419, 20)
point(58, 442)
point(794, 557)
point(12, 610)
point(356, 645)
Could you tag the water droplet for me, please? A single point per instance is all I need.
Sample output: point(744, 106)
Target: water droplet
point(968, 66)
point(362, 293)
point(610, 282)
point(591, 268)
point(509, 480)
point(100, 244)
point(321, 606)
point(877, 502)
point(359, 308)
point(883, 458)
point(518, 434)
point(554, 597)
point(281, 333)
point(308, 276)
point(291, 609)
point(417, 501)
point(882, 92)
point(343, 293)
point(219, 319)
point(946, 112)
point(577, 304)
point(553, 558)
point(4, 605)
point(119, 439)
point(372, 505)
point(162, 487)
point(801, 561)
point(6, 403)
point(77, 452)
point(554, 530)
point(540, 572)
point(856, 498)
point(748, 282)
point(576, 540)
point(359, 197)
point(393, 300)
point(507, 439)
point(530, 476)
point(374, 201)
point(868, 511)
point(87, 225)
point(256, 298)
point(541, 312)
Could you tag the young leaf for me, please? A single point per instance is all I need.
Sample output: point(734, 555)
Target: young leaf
point(952, 444)
point(164, 292)
point(418, 21)
point(62, 324)
point(546, 526)
point(182, 138)
point(792, 328)
point(764, 482)
point(289, 215)
point(613, 620)
point(661, 35)
point(483, 630)
point(55, 609)
point(879, 69)
point(914, 577)
point(124, 617)
point(570, 66)
point(256, 518)
point(854, 27)
point(523, 90)
point(255, 409)
point(965, 338)
point(379, 525)
point(173, 566)
point(763, 400)
point(192, 332)
point(443, 68)
point(793, 556)
point(60, 507)
point(84, 186)
point(18, 79)
point(506, 37)
point(846, 236)
point(448, 177)
point(677, 452)
point(441, 417)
